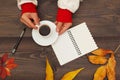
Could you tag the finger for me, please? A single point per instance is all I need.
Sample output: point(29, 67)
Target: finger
point(55, 22)
point(59, 26)
point(29, 22)
point(25, 23)
point(65, 27)
point(36, 20)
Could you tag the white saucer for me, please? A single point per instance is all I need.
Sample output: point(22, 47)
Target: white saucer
point(45, 40)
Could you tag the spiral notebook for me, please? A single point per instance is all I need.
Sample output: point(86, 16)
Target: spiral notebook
point(74, 43)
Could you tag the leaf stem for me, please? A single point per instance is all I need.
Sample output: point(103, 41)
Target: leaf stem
point(117, 48)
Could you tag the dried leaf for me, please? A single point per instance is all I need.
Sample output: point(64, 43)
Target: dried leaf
point(111, 68)
point(11, 66)
point(3, 73)
point(100, 74)
point(10, 61)
point(97, 59)
point(102, 52)
point(4, 58)
point(49, 71)
point(5, 66)
point(8, 72)
point(71, 75)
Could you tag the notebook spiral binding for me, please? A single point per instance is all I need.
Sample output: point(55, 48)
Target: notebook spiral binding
point(74, 42)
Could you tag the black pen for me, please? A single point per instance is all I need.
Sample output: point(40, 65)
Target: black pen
point(18, 41)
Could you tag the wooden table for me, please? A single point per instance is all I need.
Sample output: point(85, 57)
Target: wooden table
point(101, 16)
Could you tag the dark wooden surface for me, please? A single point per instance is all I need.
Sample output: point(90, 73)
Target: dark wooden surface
point(101, 16)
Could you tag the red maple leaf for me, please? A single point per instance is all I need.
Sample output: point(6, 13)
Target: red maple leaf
point(6, 64)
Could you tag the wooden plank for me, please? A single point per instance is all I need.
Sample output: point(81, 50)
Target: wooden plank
point(103, 20)
point(31, 59)
point(102, 17)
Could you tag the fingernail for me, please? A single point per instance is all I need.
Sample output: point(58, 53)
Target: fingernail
point(37, 25)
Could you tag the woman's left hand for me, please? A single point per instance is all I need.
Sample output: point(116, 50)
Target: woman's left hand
point(62, 27)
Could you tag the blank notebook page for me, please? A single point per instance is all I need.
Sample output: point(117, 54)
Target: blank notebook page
point(74, 43)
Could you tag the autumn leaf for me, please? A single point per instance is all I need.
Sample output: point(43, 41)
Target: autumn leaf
point(3, 73)
point(111, 68)
point(10, 63)
point(101, 52)
point(49, 71)
point(108, 69)
point(8, 71)
point(6, 65)
point(100, 74)
point(4, 58)
point(97, 59)
point(71, 75)
point(68, 76)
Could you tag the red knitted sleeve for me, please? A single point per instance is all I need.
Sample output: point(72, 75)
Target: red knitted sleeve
point(64, 15)
point(28, 7)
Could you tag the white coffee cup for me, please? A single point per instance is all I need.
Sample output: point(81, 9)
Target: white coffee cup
point(41, 36)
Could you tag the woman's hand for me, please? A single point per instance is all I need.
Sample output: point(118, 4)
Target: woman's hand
point(30, 19)
point(62, 27)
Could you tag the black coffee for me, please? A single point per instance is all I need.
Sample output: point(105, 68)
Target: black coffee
point(44, 30)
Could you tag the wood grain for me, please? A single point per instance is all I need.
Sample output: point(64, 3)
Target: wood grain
point(101, 16)
point(31, 59)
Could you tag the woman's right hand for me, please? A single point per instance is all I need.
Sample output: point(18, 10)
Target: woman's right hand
point(30, 19)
